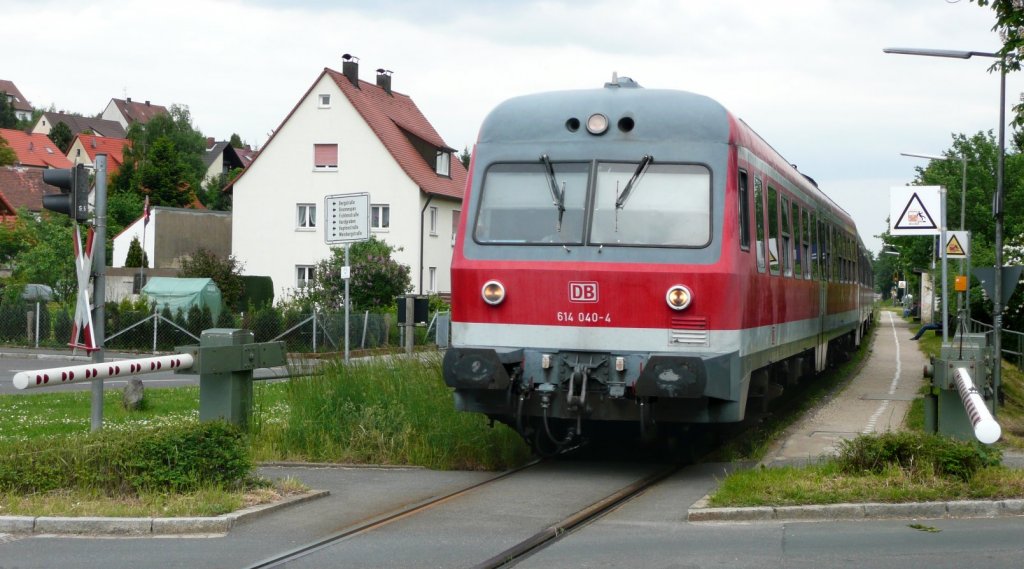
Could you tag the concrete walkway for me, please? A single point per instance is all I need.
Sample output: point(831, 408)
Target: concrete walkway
point(876, 400)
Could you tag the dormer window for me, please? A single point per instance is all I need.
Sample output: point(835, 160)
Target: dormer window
point(444, 162)
point(324, 100)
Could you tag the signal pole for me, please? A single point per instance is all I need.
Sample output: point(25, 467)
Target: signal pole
point(99, 263)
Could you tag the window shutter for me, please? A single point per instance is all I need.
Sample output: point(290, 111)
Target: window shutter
point(325, 155)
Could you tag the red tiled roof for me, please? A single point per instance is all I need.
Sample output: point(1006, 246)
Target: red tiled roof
point(112, 147)
point(23, 187)
point(35, 149)
point(391, 114)
point(134, 111)
point(393, 117)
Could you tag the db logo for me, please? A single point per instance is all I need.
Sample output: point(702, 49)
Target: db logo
point(582, 292)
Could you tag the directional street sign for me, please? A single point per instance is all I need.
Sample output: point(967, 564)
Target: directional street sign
point(915, 210)
point(958, 244)
point(348, 218)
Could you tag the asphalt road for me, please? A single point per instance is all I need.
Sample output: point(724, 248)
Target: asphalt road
point(650, 531)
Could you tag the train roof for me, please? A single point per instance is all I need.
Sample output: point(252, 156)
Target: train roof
point(657, 114)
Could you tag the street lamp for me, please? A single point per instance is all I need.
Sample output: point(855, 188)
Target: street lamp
point(997, 200)
point(963, 210)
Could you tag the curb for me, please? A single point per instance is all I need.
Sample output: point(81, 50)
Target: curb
point(52, 525)
point(699, 512)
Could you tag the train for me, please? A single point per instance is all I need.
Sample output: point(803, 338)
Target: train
point(630, 260)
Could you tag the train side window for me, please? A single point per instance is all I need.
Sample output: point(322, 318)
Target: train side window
point(759, 222)
point(798, 253)
point(786, 244)
point(773, 231)
point(742, 198)
point(823, 252)
point(807, 243)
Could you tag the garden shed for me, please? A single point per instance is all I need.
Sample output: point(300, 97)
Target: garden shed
point(184, 294)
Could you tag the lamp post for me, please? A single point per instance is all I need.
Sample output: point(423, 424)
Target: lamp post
point(997, 200)
point(963, 211)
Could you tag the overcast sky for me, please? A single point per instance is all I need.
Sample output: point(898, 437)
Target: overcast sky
point(808, 75)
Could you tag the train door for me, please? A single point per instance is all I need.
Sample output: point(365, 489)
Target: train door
point(821, 276)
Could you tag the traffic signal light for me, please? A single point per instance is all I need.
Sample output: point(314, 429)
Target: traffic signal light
point(73, 199)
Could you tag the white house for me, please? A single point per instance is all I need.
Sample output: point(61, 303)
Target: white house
point(125, 112)
point(349, 136)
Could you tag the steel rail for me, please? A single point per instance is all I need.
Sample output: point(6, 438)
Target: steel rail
point(557, 531)
point(380, 521)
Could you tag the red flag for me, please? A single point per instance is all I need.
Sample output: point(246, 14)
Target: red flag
point(145, 212)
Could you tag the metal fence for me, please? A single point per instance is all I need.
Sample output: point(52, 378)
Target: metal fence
point(1012, 343)
point(39, 325)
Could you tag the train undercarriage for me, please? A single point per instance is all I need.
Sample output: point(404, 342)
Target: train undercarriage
point(555, 399)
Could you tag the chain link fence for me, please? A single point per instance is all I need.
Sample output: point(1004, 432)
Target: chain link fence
point(129, 328)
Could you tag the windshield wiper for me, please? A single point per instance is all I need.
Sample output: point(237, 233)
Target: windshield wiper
point(631, 185)
point(558, 198)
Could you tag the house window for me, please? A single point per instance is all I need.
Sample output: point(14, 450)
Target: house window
point(380, 216)
point(306, 216)
point(325, 156)
point(433, 221)
point(433, 279)
point(455, 225)
point(303, 276)
point(444, 161)
point(325, 100)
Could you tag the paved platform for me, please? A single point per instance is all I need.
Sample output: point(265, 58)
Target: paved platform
point(876, 399)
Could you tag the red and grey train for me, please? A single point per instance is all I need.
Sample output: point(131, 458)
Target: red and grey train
point(641, 256)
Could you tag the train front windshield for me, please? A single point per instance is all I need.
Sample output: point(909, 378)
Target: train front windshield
point(628, 204)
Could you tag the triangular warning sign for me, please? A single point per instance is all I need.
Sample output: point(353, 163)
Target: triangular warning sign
point(915, 216)
point(954, 247)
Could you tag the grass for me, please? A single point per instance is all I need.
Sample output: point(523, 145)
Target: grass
point(826, 483)
point(381, 411)
point(204, 502)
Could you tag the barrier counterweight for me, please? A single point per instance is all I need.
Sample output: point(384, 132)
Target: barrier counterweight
point(89, 372)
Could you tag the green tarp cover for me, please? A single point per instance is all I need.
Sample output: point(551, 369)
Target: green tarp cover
point(183, 293)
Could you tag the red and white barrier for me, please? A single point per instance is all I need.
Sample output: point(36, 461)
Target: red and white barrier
point(89, 372)
point(986, 429)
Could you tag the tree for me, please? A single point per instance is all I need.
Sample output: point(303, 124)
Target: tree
point(1010, 27)
point(8, 118)
point(376, 278)
point(226, 273)
point(136, 256)
point(213, 195)
point(62, 136)
point(982, 154)
point(164, 159)
point(236, 141)
point(465, 156)
point(48, 255)
point(7, 155)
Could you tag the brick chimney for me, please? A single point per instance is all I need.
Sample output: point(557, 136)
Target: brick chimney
point(384, 80)
point(350, 68)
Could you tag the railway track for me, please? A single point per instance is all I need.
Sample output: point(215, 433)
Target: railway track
point(323, 548)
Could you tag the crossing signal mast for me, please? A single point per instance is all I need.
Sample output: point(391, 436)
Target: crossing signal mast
point(73, 199)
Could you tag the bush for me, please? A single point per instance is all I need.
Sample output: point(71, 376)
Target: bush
point(918, 453)
point(172, 459)
point(62, 324)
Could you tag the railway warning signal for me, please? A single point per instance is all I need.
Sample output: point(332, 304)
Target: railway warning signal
point(73, 199)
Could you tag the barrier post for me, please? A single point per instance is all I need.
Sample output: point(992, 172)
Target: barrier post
point(225, 383)
point(962, 396)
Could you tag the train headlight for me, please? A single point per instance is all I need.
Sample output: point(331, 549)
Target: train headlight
point(678, 297)
point(493, 293)
point(597, 123)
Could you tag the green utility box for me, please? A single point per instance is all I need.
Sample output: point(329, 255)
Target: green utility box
point(225, 359)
